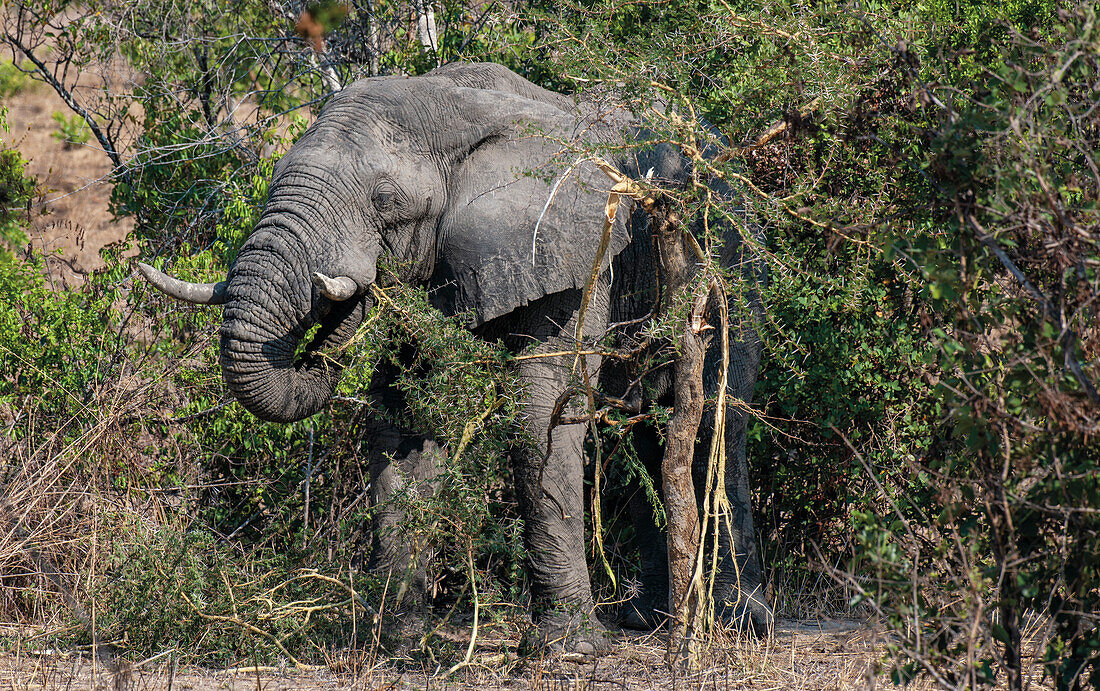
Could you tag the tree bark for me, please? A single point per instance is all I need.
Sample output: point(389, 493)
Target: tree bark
point(998, 508)
point(683, 427)
point(426, 28)
point(677, 267)
point(374, 41)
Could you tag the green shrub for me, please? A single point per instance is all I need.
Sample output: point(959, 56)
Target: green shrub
point(460, 391)
point(1007, 519)
point(16, 192)
point(13, 80)
point(58, 349)
point(928, 415)
point(165, 586)
point(71, 131)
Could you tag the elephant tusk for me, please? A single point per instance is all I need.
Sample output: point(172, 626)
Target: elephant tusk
point(197, 293)
point(336, 289)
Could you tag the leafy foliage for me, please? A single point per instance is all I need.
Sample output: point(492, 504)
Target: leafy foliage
point(930, 156)
point(16, 191)
point(71, 131)
point(12, 79)
point(460, 391)
point(1013, 272)
point(57, 348)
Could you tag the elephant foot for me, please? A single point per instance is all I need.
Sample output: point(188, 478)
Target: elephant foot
point(563, 631)
point(747, 613)
point(399, 633)
point(643, 613)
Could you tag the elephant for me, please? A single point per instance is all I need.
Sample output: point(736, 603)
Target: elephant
point(456, 177)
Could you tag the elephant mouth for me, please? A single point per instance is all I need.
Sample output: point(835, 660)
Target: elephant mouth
point(328, 330)
point(292, 376)
point(323, 338)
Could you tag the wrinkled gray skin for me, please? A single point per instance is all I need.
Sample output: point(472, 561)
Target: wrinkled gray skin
point(434, 171)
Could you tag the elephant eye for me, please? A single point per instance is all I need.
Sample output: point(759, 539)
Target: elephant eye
point(383, 200)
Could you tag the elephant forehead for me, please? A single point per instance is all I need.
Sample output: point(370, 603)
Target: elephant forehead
point(376, 95)
point(434, 117)
point(402, 113)
point(355, 159)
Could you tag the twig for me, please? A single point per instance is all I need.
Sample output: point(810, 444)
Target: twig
point(772, 132)
point(130, 419)
point(477, 611)
point(549, 202)
point(67, 97)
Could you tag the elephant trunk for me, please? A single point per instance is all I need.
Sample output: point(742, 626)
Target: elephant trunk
point(269, 309)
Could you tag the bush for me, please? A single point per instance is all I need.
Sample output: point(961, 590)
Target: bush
point(16, 192)
point(1007, 518)
point(71, 131)
point(928, 394)
point(13, 80)
point(172, 584)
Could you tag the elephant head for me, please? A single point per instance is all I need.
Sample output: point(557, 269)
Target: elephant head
point(449, 180)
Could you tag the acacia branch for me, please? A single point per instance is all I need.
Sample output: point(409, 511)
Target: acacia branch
point(772, 132)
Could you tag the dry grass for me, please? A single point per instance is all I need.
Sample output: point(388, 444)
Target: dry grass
point(822, 655)
point(834, 654)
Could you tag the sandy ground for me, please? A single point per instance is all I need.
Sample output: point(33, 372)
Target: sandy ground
point(817, 656)
point(72, 222)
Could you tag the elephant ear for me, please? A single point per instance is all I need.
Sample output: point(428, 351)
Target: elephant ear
point(524, 216)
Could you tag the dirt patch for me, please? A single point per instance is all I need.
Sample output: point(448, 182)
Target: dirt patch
point(812, 655)
point(72, 223)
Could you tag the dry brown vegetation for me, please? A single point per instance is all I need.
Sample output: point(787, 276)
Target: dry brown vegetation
point(833, 654)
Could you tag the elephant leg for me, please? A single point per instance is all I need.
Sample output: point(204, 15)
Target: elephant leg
point(647, 609)
point(739, 586)
point(403, 466)
point(549, 476)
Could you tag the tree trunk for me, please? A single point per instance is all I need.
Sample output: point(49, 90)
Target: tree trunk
point(425, 25)
point(998, 508)
point(683, 427)
point(374, 41)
